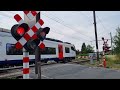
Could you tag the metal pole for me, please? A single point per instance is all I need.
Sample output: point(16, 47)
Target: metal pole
point(96, 35)
point(111, 43)
point(38, 56)
point(38, 62)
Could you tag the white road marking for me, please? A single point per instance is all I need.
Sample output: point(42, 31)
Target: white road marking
point(46, 77)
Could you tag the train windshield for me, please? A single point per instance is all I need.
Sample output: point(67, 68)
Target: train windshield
point(73, 48)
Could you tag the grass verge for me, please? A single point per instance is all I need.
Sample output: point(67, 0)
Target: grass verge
point(111, 62)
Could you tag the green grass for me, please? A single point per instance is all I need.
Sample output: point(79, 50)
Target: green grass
point(82, 54)
point(111, 60)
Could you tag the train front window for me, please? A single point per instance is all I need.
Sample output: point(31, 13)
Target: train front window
point(11, 50)
point(72, 48)
point(67, 50)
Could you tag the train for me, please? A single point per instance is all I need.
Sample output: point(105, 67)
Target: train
point(56, 50)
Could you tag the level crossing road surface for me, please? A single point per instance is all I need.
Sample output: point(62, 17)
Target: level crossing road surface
point(75, 71)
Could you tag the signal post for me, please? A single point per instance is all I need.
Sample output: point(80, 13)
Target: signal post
point(29, 35)
point(105, 50)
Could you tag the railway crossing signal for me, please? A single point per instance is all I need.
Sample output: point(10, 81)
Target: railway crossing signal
point(107, 49)
point(31, 38)
point(40, 35)
point(27, 37)
point(31, 14)
point(105, 46)
point(18, 30)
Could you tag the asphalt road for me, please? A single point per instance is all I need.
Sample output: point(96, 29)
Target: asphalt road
point(76, 71)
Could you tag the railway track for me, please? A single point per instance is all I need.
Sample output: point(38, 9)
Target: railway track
point(79, 61)
point(20, 67)
point(16, 72)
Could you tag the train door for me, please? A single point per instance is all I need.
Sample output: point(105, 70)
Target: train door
point(60, 51)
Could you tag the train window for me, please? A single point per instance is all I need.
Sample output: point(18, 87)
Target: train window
point(72, 48)
point(67, 50)
point(47, 50)
point(32, 53)
point(11, 50)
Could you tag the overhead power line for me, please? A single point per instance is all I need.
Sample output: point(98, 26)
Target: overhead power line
point(64, 34)
point(74, 29)
point(69, 35)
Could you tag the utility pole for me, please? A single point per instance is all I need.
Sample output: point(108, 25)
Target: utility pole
point(111, 43)
point(96, 35)
point(38, 56)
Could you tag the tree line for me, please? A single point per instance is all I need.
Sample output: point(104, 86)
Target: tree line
point(85, 49)
point(116, 43)
point(115, 48)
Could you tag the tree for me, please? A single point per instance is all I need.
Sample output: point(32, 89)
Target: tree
point(77, 52)
point(116, 41)
point(90, 49)
point(83, 49)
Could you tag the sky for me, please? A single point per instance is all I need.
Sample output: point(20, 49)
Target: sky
point(75, 27)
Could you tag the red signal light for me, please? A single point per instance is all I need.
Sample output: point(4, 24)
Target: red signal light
point(20, 31)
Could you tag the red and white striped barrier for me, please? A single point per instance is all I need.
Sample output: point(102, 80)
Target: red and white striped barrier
point(84, 57)
point(30, 33)
point(31, 14)
point(25, 65)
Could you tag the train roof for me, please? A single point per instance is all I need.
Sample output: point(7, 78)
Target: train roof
point(4, 30)
point(67, 42)
point(51, 39)
point(56, 40)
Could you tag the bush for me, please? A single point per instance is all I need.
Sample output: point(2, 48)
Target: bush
point(109, 61)
point(113, 61)
point(84, 54)
point(117, 61)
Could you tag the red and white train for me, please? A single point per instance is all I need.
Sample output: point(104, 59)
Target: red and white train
point(55, 50)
